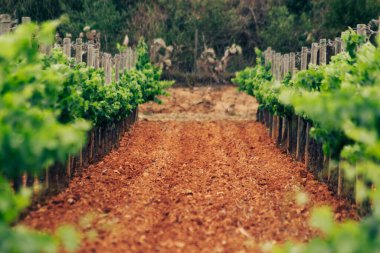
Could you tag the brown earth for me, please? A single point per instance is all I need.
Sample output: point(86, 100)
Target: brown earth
point(202, 103)
point(212, 181)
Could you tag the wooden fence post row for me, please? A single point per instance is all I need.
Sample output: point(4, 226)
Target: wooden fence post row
point(97, 59)
point(293, 133)
point(94, 58)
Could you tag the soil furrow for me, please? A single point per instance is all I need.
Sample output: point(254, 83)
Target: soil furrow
point(190, 186)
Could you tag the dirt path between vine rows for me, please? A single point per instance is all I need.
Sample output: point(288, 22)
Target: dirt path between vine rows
point(196, 174)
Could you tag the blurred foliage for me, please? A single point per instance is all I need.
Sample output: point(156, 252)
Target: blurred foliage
point(31, 134)
point(336, 15)
point(285, 25)
point(20, 239)
point(285, 31)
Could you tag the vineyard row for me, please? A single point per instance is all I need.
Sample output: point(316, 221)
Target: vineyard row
point(303, 113)
point(97, 98)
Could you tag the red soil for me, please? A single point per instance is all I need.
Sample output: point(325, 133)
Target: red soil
point(210, 185)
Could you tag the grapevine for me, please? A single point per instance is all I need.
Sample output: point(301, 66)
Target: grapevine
point(48, 105)
point(341, 99)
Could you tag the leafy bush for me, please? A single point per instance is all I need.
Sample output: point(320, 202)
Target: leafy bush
point(146, 75)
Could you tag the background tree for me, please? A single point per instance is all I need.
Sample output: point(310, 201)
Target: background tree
point(101, 15)
point(285, 25)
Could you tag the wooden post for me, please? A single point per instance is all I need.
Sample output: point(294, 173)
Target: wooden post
point(110, 65)
point(57, 41)
point(275, 66)
point(294, 132)
point(338, 45)
point(343, 44)
point(279, 135)
point(323, 52)
point(78, 50)
point(90, 54)
point(26, 20)
point(362, 30)
point(265, 57)
point(108, 68)
point(278, 66)
point(128, 58)
point(68, 167)
point(270, 123)
point(67, 47)
point(300, 126)
point(276, 63)
point(286, 65)
point(96, 57)
point(292, 63)
point(272, 60)
point(131, 58)
point(281, 67)
point(288, 134)
point(122, 62)
point(340, 179)
point(102, 60)
point(117, 67)
point(304, 53)
point(47, 177)
point(327, 160)
point(81, 157)
point(125, 60)
point(308, 126)
point(268, 53)
point(135, 58)
point(313, 60)
point(314, 54)
point(283, 130)
point(5, 23)
point(272, 126)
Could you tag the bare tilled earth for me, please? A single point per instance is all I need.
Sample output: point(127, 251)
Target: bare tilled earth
point(213, 183)
point(202, 104)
